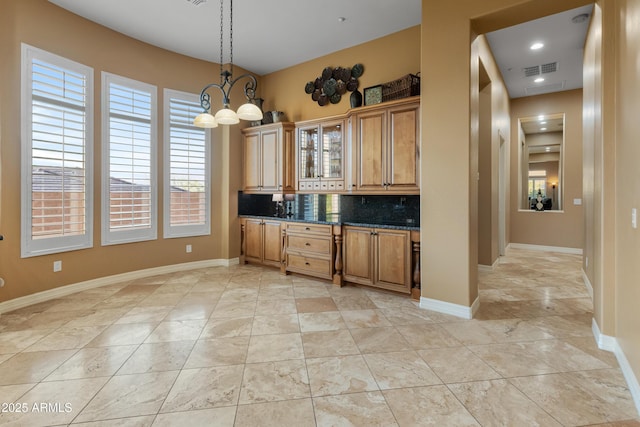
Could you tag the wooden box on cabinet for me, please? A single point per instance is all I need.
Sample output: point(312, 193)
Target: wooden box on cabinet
point(269, 157)
point(378, 257)
point(386, 144)
point(320, 155)
point(261, 241)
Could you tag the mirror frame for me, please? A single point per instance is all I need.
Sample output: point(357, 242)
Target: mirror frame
point(523, 180)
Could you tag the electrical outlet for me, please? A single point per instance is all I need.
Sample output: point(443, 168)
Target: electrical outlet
point(57, 266)
point(188, 249)
point(634, 218)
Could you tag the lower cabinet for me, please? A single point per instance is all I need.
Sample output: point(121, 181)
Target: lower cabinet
point(309, 249)
point(261, 241)
point(377, 257)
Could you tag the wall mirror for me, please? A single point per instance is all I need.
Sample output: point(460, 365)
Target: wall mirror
point(541, 143)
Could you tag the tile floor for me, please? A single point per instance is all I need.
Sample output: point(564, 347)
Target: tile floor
point(245, 346)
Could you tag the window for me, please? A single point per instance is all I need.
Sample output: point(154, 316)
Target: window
point(187, 168)
point(57, 142)
point(537, 182)
point(129, 201)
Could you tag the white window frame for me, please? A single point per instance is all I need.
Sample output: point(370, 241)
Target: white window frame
point(121, 236)
point(174, 231)
point(34, 247)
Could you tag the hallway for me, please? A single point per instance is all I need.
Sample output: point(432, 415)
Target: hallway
point(245, 346)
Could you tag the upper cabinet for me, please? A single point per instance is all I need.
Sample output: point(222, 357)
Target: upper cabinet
point(320, 149)
point(386, 148)
point(269, 158)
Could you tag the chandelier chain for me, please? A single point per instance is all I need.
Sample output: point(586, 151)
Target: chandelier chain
point(221, 40)
point(231, 35)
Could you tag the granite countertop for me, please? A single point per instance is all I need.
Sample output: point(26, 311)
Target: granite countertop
point(335, 219)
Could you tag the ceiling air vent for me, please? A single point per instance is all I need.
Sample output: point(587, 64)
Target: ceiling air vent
point(197, 2)
point(531, 71)
point(551, 67)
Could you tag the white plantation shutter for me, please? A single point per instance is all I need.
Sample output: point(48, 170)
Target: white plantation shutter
point(129, 160)
point(186, 168)
point(57, 134)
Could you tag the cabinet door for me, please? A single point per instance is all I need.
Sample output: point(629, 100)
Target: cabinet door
point(253, 240)
point(269, 162)
point(332, 152)
point(370, 144)
point(402, 152)
point(252, 162)
point(272, 239)
point(358, 255)
point(393, 260)
point(308, 153)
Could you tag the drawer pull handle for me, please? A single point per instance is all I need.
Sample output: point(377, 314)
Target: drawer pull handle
point(306, 263)
point(307, 228)
point(307, 244)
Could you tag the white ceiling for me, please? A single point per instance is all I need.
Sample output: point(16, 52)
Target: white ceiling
point(271, 35)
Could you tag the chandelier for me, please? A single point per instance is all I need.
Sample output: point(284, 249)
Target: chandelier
point(226, 116)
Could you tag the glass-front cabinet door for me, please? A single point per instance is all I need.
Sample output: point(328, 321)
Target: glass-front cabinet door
point(321, 156)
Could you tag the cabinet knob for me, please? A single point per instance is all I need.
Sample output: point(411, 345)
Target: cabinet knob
point(307, 228)
point(307, 244)
point(306, 263)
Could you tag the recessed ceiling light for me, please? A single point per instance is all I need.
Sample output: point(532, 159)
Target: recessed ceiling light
point(543, 122)
point(537, 46)
point(578, 19)
point(543, 128)
point(540, 117)
point(539, 80)
point(547, 149)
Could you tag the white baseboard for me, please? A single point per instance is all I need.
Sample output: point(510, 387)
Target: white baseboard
point(560, 249)
point(587, 284)
point(62, 291)
point(450, 308)
point(609, 343)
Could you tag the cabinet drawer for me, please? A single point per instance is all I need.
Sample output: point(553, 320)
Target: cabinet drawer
point(309, 244)
point(313, 265)
point(296, 227)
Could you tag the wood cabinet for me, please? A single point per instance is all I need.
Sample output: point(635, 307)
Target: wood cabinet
point(269, 158)
point(386, 144)
point(378, 257)
point(310, 249)
point(320, 154)
point(261, 241)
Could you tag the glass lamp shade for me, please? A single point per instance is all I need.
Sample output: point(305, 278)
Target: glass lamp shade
point(249, 111)
point(205, 120)
point(227, 116)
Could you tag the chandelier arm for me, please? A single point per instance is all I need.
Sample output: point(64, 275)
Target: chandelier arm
point(205, 98)
point(249, 87)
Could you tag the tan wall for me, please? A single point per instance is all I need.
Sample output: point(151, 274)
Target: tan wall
point(627, 180)
point(551, 228)
point(384, 60)
point(43, 25)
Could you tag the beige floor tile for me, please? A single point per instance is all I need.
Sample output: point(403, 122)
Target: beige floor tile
point(578, 398)
point(564, 326)
point(357, 409)
point(494, 331)
point(339, 375)
point(427, 336)
point(457, 364)
point(128, 396)
point(272, 381)
point(361, 302)
point(267, 307)
point(204, 388)
point(329, 343)
point(218, 352)
point(428, 406)
point(227, 327)
point(47, 320)
point(190, 311)
point(275, 324)
point(325, 321)
point(219, 417)
point(54, 403)
point(589, 346)
point(498, 402)
point(67, 338)
point(364, 319)
point(315, 305)
point(11, 393)
point(297, 413)
point(200, 297)
point(125, 334)
point(179, 330)
point(535, 357)
point(406, 317)
point(269, 348)
point(15, 341)
point(32, 367)
point(228, 308)
point(400, 369)
point(280, 293)
point(93, 362)
point(310, 290)
point(161, 300)
point(379, 340)
point(157, 357)
point(145, 315)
